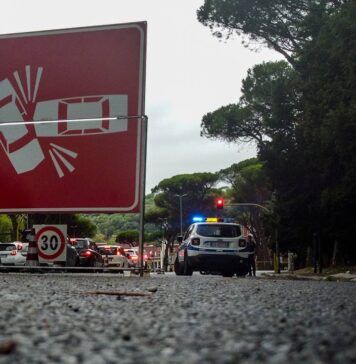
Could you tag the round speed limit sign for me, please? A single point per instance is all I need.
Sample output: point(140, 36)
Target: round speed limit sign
point(51, 242)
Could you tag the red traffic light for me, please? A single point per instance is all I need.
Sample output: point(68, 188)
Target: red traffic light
point(219, 203)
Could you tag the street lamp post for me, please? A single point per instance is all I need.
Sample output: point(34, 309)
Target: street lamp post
point(181, 212)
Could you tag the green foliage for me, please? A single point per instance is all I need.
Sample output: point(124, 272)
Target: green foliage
point(132, 237)
point(269, 112)
point(111, 224)
point(155, 213)
point(302, 118)
point(5, 228)
point(190, 182)
point(77, 225)
point(268, 108)
point(153, 236)
point(197, 193)
point(284, 25)
point(128, 236)
point(249, 184)
point(12, 225)
point(329, 89)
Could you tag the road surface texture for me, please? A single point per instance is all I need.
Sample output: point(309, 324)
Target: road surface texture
point(100, 318)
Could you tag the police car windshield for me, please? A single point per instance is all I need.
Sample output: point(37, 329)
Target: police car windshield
point(221, 231)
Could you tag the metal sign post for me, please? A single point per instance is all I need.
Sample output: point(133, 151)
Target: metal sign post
point(143, 187)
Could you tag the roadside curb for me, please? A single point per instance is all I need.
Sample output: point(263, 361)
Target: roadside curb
point(345, 277)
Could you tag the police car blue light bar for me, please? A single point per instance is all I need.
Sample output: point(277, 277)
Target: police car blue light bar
point(198, 219)
point(211, 219)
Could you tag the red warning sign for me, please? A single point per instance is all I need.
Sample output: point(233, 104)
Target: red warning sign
point(71, 108)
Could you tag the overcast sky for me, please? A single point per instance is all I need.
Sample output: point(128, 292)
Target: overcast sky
point(189, 73)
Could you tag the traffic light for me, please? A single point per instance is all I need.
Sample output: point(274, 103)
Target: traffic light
point(219, 203)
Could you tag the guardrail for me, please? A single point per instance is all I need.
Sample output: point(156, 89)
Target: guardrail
point(56, 269)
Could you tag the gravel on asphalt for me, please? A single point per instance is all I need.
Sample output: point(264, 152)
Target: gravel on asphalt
point(63, 318)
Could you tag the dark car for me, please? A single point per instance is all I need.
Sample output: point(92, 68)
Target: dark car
point(88, 251)
point(72, 259)
point(72, 256)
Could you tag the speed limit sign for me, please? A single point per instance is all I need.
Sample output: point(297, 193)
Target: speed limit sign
point(51, 243)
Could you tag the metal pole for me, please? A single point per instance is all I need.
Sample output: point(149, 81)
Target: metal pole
point(144, 122)
point(320, 255)
point(181, 212)
point(180, 209)
point(277, 253)
point(315, 259)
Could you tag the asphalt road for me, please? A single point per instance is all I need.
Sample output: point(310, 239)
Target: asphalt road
point(101, 318)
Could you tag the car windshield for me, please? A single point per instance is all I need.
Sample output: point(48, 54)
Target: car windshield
point(7, 247)
point(81, 244)
point(108, 250)
point(130, 252)
point(221, 231)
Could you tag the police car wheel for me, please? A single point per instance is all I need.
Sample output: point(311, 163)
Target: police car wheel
point(188, 271)
point(178, 269)
point(241, 274)
point(242, 271)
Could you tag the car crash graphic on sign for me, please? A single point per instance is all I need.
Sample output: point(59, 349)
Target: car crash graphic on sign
point(80, 116)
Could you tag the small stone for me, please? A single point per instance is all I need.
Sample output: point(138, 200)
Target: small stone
point(167, 351)
point(7, 347)
point(126, 337)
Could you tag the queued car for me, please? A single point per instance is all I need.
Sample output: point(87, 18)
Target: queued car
point(88, 252)
point(114, 256)
point(212, 247)
point(72, 256)
point(132, 257)
point(13, 253)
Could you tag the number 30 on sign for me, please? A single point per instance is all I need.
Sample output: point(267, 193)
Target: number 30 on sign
point(51, 243)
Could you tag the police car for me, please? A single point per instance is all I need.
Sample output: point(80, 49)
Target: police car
point(212, 247)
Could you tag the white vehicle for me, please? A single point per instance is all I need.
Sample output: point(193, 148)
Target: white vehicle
point(114, 256)
point(132, 257)
point(13, 253)
point(212, 248)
